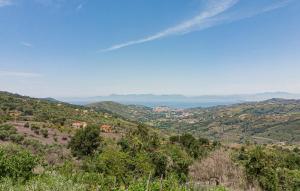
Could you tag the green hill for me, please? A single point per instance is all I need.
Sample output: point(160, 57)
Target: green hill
point(274, 120)
point(40, 149)
point(133, 112)
point(61, 115)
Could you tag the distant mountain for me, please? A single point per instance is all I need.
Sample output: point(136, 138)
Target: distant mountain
point(180, 101)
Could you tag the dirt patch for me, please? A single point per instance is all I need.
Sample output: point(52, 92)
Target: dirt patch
point(54, 135)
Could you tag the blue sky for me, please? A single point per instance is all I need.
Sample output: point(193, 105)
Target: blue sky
point(62, 48)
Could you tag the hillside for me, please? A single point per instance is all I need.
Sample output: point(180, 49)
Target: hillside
point(41, 149)
point(49, 145)
point(48, 114)
point(132, 112)
point(274, 120)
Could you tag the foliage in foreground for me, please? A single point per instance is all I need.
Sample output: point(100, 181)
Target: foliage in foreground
point(140, 160)
point(16, 162)
point(139, 154)
point(54, 181)
point(274, 168)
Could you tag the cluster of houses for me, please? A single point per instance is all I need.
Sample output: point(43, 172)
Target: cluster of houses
point(104, 128)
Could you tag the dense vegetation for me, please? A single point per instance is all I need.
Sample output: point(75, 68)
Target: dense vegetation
point(271, 121)
point(140, 160)
point(41, 150)
point(274, 168)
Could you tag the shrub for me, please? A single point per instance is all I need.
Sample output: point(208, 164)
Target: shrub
point(16, 138)
point(16, 162)
point(85, 141)
point(8, 128)
point(179, 161)
point(111, 162)
point(160, 161)
point(45, 133)
point(195, 147)
point(36, 131)
point(274, 169)
point(6, 131)
point(34, 127)
point(48, 181)
point(26, 125)
point(4, 135)
point(288, 179)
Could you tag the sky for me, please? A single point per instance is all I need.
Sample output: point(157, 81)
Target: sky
point(78, 48)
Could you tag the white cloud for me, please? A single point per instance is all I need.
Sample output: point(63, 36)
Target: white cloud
point(4, 3)
point(27, 44)
point(214, 8)
point(210, 17)
point(18, 74)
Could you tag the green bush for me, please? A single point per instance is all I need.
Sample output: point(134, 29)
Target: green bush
point(274, 169)
point(50, 181)
point(196, 148)
point(16, 138)
point(289, 180)
point(85, 141)
point(179, 161)
point(112, 162)
point(54, 181)
point(34, 127)
point(45, 133)
point(16, 162)
point(8, 132)
point(4, 135)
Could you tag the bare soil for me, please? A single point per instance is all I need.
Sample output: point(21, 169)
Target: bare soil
point(61, 138)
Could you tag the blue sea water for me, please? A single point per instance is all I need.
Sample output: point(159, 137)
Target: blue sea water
point(171, 104)
point(181, 105)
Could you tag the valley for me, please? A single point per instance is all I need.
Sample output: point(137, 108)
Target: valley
point(274, 120)
point(111, 146)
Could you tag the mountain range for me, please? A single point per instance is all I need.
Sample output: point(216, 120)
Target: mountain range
point(180, 101)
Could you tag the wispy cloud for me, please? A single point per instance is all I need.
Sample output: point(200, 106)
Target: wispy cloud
point(19, 74)
point(79, 7)
point(81, 4)
point(277, 5)
point(59, 4)
point(209, 17)
point(26, 44)
point(4, 3)
point(213, 9)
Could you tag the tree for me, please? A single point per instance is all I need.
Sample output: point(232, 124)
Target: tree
point(85, 141)
point(111, 162)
